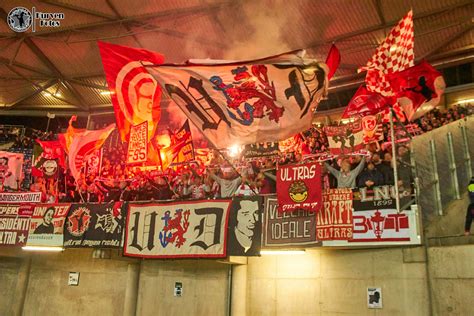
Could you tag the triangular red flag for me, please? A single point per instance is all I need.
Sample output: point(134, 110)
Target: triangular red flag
point(333, 60)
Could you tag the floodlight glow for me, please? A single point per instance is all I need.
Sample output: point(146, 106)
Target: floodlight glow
point(105, 92)
point(465, 101)
point(39, 248)
point(282, 252)
point(234, 150)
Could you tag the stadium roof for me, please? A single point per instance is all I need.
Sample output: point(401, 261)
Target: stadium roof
point(59, 69)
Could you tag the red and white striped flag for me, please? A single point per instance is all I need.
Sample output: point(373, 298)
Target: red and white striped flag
point(394, 54)
point(84, 145)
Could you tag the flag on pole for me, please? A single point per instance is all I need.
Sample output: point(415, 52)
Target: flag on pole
point(418, 89)
point(333, 60)
point(394, 54)
point(365, 102)
point(134, 92)
point(66, 138)
point(49, 156)
point(246, 102)
point(84, 145)
point(181, 148)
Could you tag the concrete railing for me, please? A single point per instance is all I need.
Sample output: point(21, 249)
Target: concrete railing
point(442, 161)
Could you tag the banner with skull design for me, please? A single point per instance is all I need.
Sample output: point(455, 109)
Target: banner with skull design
point(134, 92)
point(246, 102)
point(95, 225)
point(299, 187)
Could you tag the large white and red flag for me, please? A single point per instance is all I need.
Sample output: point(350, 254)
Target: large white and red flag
point(394, 54)
point(134, 92)
point(246, 102)
point(86, 144)
point(345, 139)
point(418, 89)
point(11, 174)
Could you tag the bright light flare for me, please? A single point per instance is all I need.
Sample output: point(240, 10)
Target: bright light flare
point(234, 150)
point(107, 92)
point(39, 248)
point(282, 252)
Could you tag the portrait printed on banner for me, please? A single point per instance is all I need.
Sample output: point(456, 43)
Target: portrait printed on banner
point(245, 227)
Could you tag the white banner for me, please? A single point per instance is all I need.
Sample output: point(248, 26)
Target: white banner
point(47, 225)
point(20, 197)
point(246, 102)
point(177, 230)
point(138, 143)
point(382, 227)
point(11, 165)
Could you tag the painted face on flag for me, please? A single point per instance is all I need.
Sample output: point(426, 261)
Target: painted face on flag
point(247, 216)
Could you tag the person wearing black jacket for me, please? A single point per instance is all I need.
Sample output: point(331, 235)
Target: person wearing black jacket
point(470, 208)
point(370, 177)
point(384, 169)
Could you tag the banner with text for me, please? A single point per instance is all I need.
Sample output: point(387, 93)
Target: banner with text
point(194, 229)
point(47, 225)
point(346, 138)
point(293, 229)
point(382, 197)
point(382, 227)
point(335, 218)
point(299, 187)
point(245, 226)
point(261, 150)
point(95, 225)
point(14, 224)
point(20, 197)
point(138, 143)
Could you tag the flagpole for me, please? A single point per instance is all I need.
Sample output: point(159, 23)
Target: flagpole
point(394, 159)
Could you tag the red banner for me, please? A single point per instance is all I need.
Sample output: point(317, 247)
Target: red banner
point(138, 144)
point(334, 221)
point(135, 94)
point(14, 224)
point(299, 187)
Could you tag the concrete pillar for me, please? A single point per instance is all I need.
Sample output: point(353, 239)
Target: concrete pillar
point(239, 290)
point(131, 290)
point(21, 287)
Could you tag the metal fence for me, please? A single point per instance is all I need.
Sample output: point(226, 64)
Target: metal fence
point(442, 161)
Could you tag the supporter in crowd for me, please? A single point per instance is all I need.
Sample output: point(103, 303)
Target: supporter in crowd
point(215, 178)
point(346, 178)
point(370, 177)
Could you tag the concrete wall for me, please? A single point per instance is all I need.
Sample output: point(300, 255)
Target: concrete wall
point(320, 282)
point(334, 282)
point(452, 275)
point(205, 288)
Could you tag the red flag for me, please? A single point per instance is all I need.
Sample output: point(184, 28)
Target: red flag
point(181, 149)
point(418, 89)
point(394, 54)
point(135, 93)
point(84, 145)
point(299, 187)
point(333, 60)
point(66, 138)
point(52, 150)
point(365, 103)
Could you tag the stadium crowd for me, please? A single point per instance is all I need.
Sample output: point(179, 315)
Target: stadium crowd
point(216, 175)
